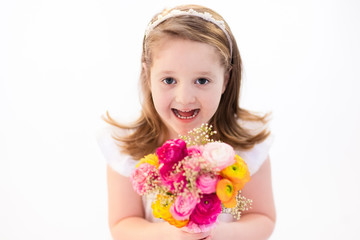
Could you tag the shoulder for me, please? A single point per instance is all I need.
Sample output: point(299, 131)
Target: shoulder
point(111, 148)
point(257, 155)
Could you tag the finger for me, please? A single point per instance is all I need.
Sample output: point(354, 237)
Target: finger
point(206, 238)
point(203, 235)
point(197, 236)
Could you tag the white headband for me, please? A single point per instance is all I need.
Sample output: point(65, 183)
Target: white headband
point(191, 12)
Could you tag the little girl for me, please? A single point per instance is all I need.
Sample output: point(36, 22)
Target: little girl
point(191, 74)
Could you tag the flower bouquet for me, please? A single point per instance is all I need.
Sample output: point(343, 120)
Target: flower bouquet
point(192, 180)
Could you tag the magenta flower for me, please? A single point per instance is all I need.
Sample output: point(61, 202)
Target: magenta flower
point(206, 211)
point(172, 151)
point(169, 154)
point(141, 177)
point(207, 183)
point(183, 206)
point(219, 155)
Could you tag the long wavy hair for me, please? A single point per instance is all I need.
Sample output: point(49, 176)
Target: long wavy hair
point(148, 131)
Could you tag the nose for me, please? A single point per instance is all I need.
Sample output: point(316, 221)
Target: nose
point(185, 94)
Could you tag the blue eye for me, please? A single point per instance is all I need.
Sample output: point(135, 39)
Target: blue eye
point(202, 81)
point(169, 80)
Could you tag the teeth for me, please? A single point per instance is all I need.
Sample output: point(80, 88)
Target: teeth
point(196, 111)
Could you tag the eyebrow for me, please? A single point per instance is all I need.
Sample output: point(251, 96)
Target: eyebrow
point(206, 73)
point(166, 72)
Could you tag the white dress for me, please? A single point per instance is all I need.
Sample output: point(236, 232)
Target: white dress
point(124, 164)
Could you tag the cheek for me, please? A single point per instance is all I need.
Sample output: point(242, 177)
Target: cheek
point(160, 98)
point(154, 89)
point(155, 98)
point(212, 100)
point(214, 106)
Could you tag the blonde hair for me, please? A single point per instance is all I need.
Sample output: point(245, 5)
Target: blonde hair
point(148, 131)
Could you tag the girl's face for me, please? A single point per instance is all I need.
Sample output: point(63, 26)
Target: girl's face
point(187, 80)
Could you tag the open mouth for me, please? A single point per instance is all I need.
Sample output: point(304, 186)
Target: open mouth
point(186, 114)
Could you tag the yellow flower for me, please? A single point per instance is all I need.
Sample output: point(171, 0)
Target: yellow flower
point(161, 209)
point(238, 173)
point(152, 159)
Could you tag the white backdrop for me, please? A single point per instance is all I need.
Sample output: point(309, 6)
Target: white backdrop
point(64, 63)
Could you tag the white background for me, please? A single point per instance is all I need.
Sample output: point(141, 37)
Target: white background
point(64, 63)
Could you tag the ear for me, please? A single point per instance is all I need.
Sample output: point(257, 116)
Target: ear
point(226, 80)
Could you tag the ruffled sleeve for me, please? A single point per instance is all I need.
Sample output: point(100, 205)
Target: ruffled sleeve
point(256, 156)
point(121, 163)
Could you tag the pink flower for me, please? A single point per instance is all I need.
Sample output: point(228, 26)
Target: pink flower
point(194, 228)
point(195, 151)
point(173, 181)
point(192, 164)
point(172, 151)
point(207, 183)
point(141, 176)
point(205, 213)
point(219, 155)
point(183, 206)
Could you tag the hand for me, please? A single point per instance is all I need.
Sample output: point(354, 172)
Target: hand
point(180, 234)
point(194, 236)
